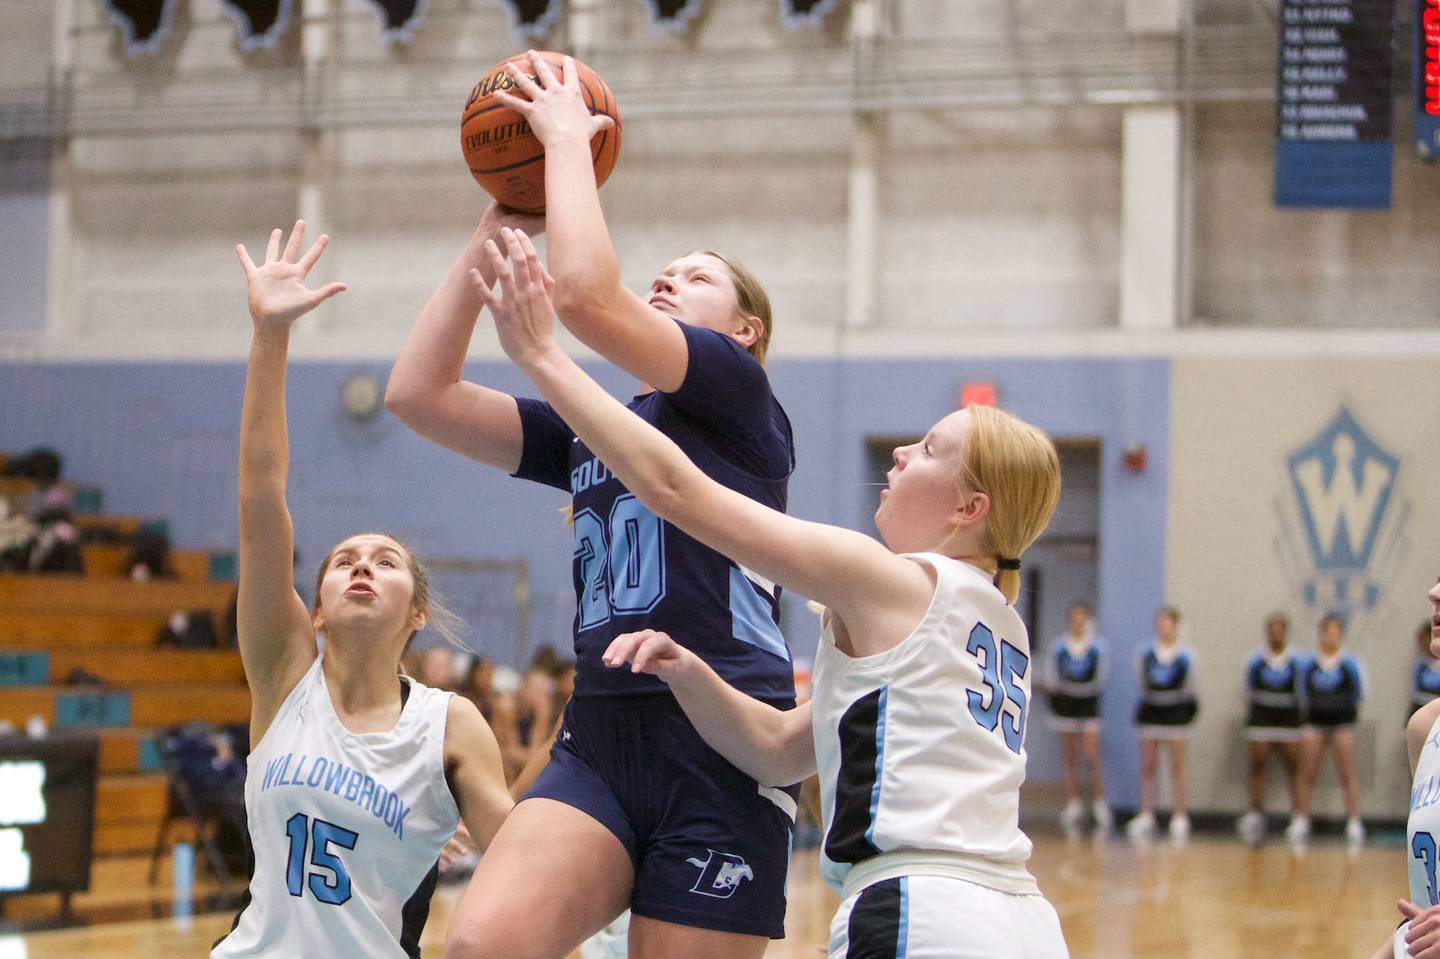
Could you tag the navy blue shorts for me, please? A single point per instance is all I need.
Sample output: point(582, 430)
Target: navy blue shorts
point(711, 847)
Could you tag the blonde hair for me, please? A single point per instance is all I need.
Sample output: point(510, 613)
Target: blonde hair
point(424, 599)
point(1016, 466)
point(751, 300)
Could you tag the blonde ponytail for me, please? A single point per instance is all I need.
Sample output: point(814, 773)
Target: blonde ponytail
point(1015, 464)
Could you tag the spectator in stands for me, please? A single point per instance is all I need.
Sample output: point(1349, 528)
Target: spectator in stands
point(437, 665)
point(498, 708)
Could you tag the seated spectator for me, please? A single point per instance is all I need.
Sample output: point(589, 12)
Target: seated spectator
point(149, 555)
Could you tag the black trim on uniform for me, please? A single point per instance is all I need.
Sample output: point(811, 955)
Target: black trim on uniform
point(416, 910)
point(855, 783)
point(876, 922)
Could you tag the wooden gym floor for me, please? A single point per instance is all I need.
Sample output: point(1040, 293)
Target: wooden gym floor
point(1213, 898)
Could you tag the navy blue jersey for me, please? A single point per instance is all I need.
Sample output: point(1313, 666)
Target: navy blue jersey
point(1332, 691)
point(1425, 683)
point(634, 571)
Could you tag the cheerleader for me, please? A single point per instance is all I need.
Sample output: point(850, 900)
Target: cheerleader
point(1078, 664)
point(1333, 685)
point(1272, 726)
point(1167, 708)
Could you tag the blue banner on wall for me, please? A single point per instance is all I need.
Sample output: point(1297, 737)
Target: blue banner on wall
point(1427, 78)
point(1333, 104)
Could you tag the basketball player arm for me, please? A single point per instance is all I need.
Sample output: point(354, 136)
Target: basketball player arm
point(425, 390)
point(774, 747)
point(273, 627)
point(475, 773)
point(879, 596)
point(590, 298)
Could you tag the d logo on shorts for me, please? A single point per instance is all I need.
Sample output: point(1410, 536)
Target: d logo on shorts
point(720, 874)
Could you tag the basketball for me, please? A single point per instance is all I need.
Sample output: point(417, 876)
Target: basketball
point(505, 157)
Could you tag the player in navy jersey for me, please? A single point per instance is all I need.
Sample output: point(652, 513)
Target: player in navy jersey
point(1425, 678)
point(1167, 708)
point(1272, 722)
point(920, 796)
point(633, 804)
point(357, 776)
point(1333, 686)
point(1078, 665)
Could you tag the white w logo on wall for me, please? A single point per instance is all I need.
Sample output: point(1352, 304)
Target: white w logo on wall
point(1340, 537)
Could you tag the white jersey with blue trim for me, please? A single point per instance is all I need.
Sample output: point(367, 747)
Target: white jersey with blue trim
point(921, 749)
point(347, 829)
point(1422, 829)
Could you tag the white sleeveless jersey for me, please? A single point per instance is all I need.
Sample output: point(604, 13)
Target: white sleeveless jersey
point(1422, 829)
point(921, 749)
point(347, 829)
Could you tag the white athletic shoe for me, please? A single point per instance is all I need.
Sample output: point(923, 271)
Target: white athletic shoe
point(1251, 827)
point(1104, 818)
point(1179, 827)
point(612, 942)
point(1299, 829)
point(1071, 816)
point(1355, 831)
point(1142, 827)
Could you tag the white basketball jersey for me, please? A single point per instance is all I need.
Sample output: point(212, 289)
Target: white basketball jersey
point(1422, 829)
point(347, 828)
point(921, 749)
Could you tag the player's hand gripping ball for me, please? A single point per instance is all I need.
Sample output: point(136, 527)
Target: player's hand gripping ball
point(505, 156)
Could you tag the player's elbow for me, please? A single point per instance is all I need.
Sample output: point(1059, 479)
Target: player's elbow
point(583, 301)
point(405, 399)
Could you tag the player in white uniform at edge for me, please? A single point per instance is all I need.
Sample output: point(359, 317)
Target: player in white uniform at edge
point(922, 681)
point(1419, 935)
point(357, 775)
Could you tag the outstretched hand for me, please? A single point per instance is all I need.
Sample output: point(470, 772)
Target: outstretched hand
point(556, 109)
point(524, 316)
point(276, 290)
point(1422, 939)
point(649, 651)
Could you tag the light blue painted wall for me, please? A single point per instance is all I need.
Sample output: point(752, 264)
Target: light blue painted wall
point(161, 440)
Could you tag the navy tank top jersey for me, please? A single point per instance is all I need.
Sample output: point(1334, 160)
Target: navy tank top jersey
point(632, 570)
point(1333, 689)
point(1425, 684)
point(1272, 685)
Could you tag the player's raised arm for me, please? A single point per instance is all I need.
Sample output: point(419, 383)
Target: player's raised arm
point(876, 593)
point(426, 391)
point(277, 640)
point(590, 298)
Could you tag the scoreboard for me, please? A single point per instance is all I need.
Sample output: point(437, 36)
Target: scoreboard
point(1334, 112)
point(47, 812)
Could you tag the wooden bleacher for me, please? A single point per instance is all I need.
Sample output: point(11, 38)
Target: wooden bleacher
point(104, 626)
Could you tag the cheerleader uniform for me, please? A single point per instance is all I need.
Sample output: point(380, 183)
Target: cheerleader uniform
point(1077, 671)
point(1425, 682)
point(1333, 688)
point(1167, 699)
point(1272, 686)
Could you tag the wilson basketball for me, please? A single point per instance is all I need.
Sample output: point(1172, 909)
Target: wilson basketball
point(505, 157)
